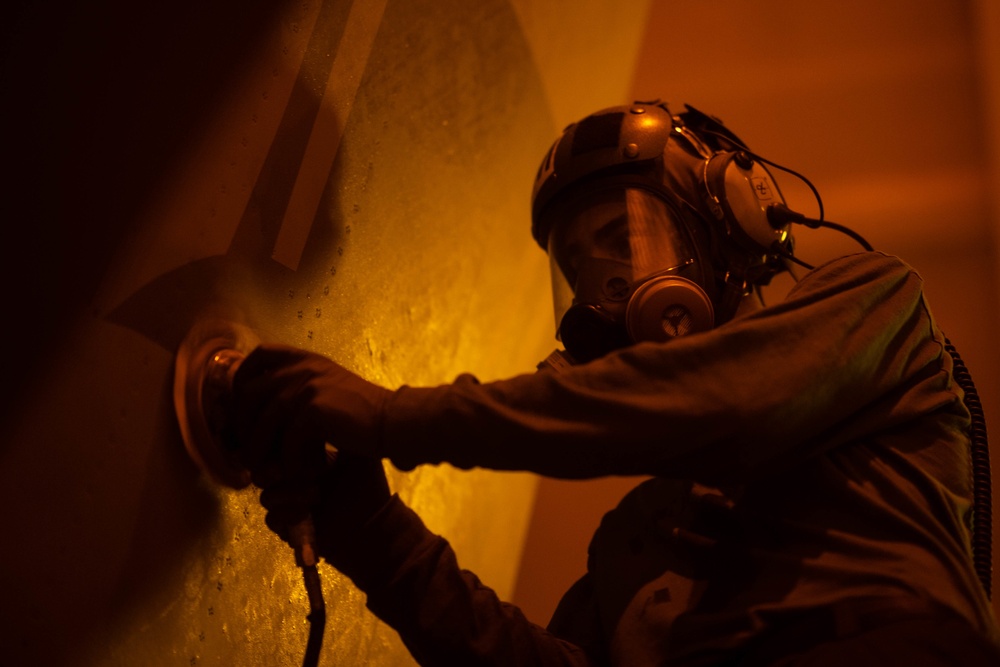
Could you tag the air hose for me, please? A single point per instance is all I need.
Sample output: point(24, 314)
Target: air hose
point(982, 493)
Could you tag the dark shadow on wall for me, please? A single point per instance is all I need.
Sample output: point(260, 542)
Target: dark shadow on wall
point(100, 164)
point(100, 100)
point(247, 281)
point(107, 99)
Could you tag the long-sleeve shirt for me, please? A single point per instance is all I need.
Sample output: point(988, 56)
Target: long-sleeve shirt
point(809, 453)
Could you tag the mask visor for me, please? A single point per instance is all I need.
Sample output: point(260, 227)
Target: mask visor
point(608, 242)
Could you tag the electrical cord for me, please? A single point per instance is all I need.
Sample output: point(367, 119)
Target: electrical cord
point(302, 536)
point(779, 215)
point(741, 147)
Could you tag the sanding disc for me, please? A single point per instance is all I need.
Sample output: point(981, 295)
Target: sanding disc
point(206, 360)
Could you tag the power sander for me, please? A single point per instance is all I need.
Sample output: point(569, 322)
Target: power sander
point(206, 364)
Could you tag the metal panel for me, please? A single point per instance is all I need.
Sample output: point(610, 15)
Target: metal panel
point(347, 177)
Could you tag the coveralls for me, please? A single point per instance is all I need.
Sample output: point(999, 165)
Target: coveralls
point(811, 484)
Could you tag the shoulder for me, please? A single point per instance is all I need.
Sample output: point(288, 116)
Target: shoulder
point(858, 266)
point(861, 273)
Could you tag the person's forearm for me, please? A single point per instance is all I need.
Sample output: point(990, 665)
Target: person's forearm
point(767, 389)
point(443, 614)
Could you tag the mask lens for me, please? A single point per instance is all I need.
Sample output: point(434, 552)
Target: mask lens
point(609, 241)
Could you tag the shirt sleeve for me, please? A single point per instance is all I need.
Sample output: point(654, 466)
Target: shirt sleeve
point(443, 614)
point(767, 388)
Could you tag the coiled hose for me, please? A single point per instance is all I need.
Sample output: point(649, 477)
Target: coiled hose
point(982, 494)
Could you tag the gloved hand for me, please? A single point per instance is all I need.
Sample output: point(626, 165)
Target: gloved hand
point(288, 402)
point(341, 500)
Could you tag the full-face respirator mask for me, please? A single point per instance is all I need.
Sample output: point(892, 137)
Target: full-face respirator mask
point(625, 269)
point(656, 227)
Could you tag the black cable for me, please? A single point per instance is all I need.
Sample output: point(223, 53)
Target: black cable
point(780, 250)
point(316, 617)
point(792, 216)
point(850, 232)
point(819, 200)
point(755, 156)
point(982, 492)
point(302, 536)
point(779, 215)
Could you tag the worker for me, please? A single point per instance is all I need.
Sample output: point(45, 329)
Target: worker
point(810, 498)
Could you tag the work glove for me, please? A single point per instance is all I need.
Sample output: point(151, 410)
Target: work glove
point(287, 403)
point(341, 500)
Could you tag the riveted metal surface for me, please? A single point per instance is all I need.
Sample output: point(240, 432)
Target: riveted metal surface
point(357, 183)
